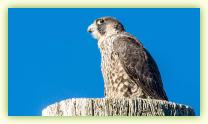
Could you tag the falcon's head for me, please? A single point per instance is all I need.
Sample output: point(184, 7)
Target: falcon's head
point(105, 26)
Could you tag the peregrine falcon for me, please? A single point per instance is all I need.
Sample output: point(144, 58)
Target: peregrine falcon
point(128, 69)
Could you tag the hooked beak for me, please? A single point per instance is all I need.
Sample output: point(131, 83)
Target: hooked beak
point(90, 29)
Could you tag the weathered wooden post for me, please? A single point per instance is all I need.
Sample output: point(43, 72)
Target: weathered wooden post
point(116, 107)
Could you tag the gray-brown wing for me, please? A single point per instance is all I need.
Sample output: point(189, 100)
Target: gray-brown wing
point(140, 66)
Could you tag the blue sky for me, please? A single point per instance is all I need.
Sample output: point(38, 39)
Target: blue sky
point(52, 57)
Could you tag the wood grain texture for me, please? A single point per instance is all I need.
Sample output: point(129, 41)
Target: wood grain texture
point(116, 107)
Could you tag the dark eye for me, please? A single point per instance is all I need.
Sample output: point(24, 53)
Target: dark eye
point(100, 21)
